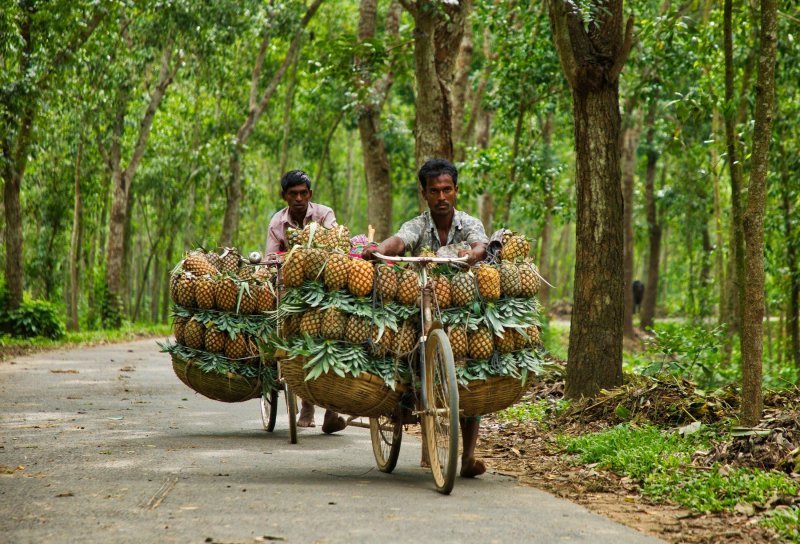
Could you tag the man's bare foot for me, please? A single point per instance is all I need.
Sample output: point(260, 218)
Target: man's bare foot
point(424, 462)
point(306, 417)
point(333, 422)
point(472, 467)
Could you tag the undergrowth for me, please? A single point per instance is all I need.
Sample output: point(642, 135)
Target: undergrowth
point(128, 331)
point(785, 522)
point(660, 462)
point(537, 411)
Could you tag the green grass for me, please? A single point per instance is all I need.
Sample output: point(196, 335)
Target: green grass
point(785, 522)
point(661, 462)
point(129, 331)
point(555, 336)
point(537, 411)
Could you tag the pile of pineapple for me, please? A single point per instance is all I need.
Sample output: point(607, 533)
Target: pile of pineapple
point(223, 308)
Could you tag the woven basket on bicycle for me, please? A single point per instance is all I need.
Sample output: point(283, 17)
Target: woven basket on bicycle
point(481, 397)
point(222, 387)
point(365, 395)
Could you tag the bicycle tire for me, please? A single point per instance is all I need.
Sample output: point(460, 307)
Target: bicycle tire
point(269, 410)
point(291, 409)
point(386, 434)
point(440, 416)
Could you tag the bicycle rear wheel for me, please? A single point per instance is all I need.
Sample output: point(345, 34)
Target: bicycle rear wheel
point(440, 416)
point(386, 433)
point(269, 410)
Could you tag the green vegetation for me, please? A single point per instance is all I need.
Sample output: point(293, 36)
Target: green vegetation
point(537, 411)
point(661, 462)
point(785, 522)
point(128, 331)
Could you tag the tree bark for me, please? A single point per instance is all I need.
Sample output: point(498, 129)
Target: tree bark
point(257, 105)
point(547, 227)
point(592, 60)
point(438, 31)
point(482, 135)
point(653, 227)
point(630, 142)
point(376, 162)
point(75, 244)
point(461, 83)
point(753, 315)
point(287, 113)
point(122, 179)
point(718, 230)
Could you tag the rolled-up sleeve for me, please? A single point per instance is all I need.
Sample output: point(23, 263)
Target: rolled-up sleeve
point(411, 231)
point(275, 236)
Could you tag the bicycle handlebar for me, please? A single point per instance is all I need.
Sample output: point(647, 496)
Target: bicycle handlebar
point(422, 259)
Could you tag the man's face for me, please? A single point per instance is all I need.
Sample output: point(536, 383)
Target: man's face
point(440, 194)
point(297, 198)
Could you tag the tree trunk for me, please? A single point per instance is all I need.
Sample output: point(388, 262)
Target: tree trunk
point(653, 228)
point(438, 31)
point(482, 134)
point(256, 106)
point(753, 315)
point(75, 244)
point(287, 114)
point(122, 178)
point(376, 162)
point(718, 230)
point(736, 269)
point(547, 227)
point(630, 142)
point(592, 63)
point(461, 83)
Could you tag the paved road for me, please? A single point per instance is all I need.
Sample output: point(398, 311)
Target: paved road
point(106, 445)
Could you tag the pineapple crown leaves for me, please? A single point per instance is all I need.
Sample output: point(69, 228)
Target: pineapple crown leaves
point(244, 288)
point(312, 231)
point(212, 363)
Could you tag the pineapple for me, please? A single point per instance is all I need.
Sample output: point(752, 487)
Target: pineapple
point(264, 274)
point(529, 281)
point(334, 323)
point(314, 263)
point(292, 237)
point(194, 334)
point(184, 292)
point(247, 304)
point(520, 341)
point(215, 261)
point(441, 291)
point(458, 342)
point(336, 271)
point(290, 327)
point(517, 247)
point(462, 289)
point(236, 347)
point(358, 330)
point(508, 342)
point(509, 279)
point(251, 352)
point(177, 329)
point(293, 268)
point(343, 238)
point(311, 322)
point(173, 287)
point(359, 281)
point(426, 251)
point(381, 346)
point(386, 283)
point(215, 339)
point(265, 297)
point(480, 343)
point(226, 295)
point(405, 338)
point(534, 336)
point(204, 289)
point(408, 287)
point(196, 263)
point(488, 282)
point(246, 271)
point(230, 260)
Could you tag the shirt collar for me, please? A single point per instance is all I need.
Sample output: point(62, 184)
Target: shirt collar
point(458, 222)
point(287, 219)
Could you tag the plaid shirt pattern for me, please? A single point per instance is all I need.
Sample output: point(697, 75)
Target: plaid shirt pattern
point(421, 231)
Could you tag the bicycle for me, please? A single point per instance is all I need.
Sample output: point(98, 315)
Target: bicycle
point(436, 400)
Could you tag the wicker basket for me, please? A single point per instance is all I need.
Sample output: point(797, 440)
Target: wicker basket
point(225, 388)
point(365, 395)
point(483, 397)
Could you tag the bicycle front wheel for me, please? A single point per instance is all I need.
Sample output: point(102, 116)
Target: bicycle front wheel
point(386, 433)
point(440, 416)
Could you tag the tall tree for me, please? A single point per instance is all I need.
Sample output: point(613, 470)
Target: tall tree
point(257, 103)
point(439, 27)
point(753, 315)
point(653, 226)
point(374, 91)
point(630, 142)
point(592, 56)
point(28, 77)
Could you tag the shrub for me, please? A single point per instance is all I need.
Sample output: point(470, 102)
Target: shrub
point(33, 318)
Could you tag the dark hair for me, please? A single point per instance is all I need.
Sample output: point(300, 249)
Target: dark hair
point(434, 168)
point(293, 178)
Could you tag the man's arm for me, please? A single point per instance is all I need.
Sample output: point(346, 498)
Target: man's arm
point(393, 245)
point(476, 254)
